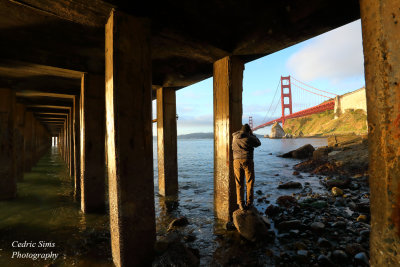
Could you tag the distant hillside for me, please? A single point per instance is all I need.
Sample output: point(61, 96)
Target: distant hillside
point(322, 124)
point(197, 136)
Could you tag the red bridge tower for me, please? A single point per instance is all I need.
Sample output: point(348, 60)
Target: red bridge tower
point(286, 94)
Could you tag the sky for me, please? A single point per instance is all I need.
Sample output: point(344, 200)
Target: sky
point(331, 62)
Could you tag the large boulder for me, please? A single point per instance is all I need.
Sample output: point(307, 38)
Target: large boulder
point(277, 131)
point(321, 154)
point(303, 152)
point(250, 225)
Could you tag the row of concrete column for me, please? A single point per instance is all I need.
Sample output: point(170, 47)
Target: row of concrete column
point(23, 140)
point(108, 133)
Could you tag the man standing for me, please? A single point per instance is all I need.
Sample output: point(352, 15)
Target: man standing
point(244, 142)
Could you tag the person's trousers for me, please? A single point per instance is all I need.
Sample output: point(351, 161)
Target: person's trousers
point(244, 168)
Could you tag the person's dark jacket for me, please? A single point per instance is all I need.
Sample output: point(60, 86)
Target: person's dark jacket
point(243, 145)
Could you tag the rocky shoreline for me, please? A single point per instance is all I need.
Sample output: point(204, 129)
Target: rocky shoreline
point(302, 229)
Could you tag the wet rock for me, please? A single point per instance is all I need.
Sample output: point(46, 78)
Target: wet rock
point(286, 201)
point(289, 185)
point(266, 221)
point(302, 256)
point(189, 238)
point(324, 261)
point(250, 225)
point(362, 259)
point(365, 233)
point(339, 256)
point(362, 218)
point(178, 222)
point(363, 207)
point(259, 192)
point(164, 242)
point(336, 191)
point(230, 226)
point(272, 210)
point(296, 173)
point(341, 183)
point(177, 254)
point(300, 245)
point(354, 248)
point(319, 204)
point(339, 224)
point(321, 154)
point(303, 152)
point(317, 227)
point(289, 225)
point(322, 242)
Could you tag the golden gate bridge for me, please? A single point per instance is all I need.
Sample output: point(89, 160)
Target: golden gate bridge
point(319, 100)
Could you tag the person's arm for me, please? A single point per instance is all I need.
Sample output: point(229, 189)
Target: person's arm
point(254, 141)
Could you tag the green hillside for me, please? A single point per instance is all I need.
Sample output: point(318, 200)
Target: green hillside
point(352, 121)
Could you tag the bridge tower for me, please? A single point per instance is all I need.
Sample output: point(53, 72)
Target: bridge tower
point(286, 94)
point(251, 122)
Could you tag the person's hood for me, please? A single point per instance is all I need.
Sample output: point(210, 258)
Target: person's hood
point(240, 135)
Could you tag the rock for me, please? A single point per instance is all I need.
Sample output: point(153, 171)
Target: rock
point(317, 227)
point(266, 221)
point(250, 225)
point(362, 259)
point(230, 226)
point(289, 185)
point(322, 242)
point(164, 242)
point(362, 218)
point(286, 201)
point(289, 225)
point(319, 204)
point(336, 191)
point(272, 210)
point(324, 261)
point(339, 224)
point(181, 221)
point(337, 183)
point(363, 207)
point(339, 256)
point(321, 154)
point(303, 152)
point(354, 248)
point(300, 245)
point(365, 233)
point(296, 173)
point(259, 192)
point(277, 131)
point(302, 255)
point(189, 238)
point(177, 254)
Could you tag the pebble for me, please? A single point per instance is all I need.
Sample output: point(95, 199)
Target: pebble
point(361, 258)
point(317, 226)
point(339, 256)
point(322, 242)
point(362, 218)
point(336, 191)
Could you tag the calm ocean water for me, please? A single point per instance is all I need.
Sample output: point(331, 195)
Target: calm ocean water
point(195, 174)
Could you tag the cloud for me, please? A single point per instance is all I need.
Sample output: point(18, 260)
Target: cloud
point(336, 55)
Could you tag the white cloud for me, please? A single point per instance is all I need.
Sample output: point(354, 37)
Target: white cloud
point(335, 55)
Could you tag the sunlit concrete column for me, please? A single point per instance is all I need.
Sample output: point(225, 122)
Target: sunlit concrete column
point(381, 35)
point(228, 76)
point(8, 179)
point(76, 156)
point(71, 144)
point(129, 139)
point(167, 142)
point(19, 141)
point(28, 131)
point(92, 122)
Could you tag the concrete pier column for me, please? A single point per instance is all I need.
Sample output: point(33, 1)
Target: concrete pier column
point(76, 156)
point(92, 122)
point(71, 144)
point(228, 76)
point(8, 179)
point(19, 141)
point(28, 131)
point(167, 142)
point(129, 139)
point(381, 33)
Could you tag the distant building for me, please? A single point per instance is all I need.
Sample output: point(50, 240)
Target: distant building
point(353, 100)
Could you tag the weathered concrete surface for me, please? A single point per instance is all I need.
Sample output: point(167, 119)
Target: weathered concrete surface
point(77, 150)
point(8, 179)
point(228, 76)
point(19, 141)
point(167, 142)
point(381, 42)
point(92, 143)
point(129, 140)
point(28, 132)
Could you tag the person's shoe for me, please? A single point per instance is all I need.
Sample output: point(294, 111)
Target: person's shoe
point(241, 206)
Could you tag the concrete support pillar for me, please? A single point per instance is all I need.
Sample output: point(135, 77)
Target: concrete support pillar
point(71, 143)
point(28, 132)
point(167, 142)
point(381, 34)
point(92, 120)
point(8, 180)
point(19, 141)
point(76, 156)
point(228, 76)
point(129, 139)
